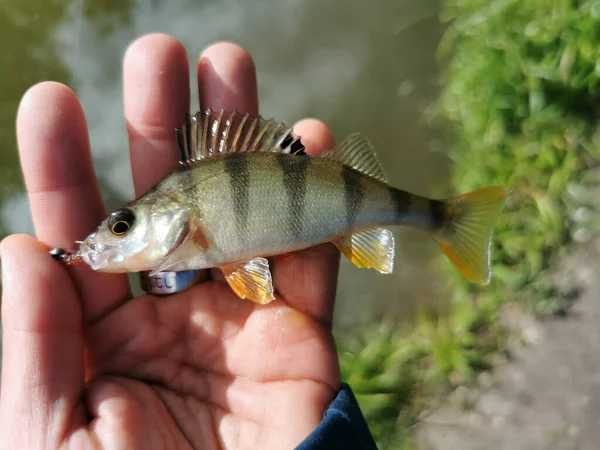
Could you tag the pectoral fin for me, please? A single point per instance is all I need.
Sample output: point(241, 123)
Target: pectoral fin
point(372, 249)
point(173, 257)
point(251, 280)
point(178, 235)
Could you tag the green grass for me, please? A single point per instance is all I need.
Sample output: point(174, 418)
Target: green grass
point(520, 104)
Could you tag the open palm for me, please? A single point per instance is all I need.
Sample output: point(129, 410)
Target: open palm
point(85, 365)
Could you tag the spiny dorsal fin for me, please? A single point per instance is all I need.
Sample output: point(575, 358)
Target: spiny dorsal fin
point(357, 152)
point(211, 133)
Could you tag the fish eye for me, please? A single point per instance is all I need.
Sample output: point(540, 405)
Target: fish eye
point(121, 221)
point(119, 228)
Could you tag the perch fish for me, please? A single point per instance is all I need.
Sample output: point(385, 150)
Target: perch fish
point(246, 190)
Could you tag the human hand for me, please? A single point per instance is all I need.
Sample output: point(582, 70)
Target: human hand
point(85, 365)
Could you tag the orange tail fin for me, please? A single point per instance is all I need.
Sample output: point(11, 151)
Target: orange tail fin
point(467, 234)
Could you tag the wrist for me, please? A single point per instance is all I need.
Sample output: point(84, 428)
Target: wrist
point(343, 426)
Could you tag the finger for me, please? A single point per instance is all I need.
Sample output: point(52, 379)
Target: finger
point(157, 98)
point(42, 348)
point(315, 135)
point(115, 412)
point(131, 410)
point(227, 79)
point(307, 279)
point(66, 204)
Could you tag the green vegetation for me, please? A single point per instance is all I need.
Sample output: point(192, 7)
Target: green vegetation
point(520, 103)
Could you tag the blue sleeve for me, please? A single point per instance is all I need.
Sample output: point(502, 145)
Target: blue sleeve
point(343, 426)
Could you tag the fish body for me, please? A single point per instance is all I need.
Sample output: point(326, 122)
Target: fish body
point(269, 203)
point(246, 190)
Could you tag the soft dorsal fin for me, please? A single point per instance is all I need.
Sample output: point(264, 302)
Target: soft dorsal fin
point(211, 133)
point(357, 152)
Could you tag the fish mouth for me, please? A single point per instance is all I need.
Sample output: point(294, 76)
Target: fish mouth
point(93, 254)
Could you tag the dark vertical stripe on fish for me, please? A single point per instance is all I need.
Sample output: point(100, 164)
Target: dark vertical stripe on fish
point(354, 194)
point(295, 171)
point(438, 213)
point(401, 201)
point(236, 167)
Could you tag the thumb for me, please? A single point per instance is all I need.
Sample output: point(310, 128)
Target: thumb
point(42, 348)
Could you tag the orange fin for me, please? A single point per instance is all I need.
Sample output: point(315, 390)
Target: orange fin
point(371, 249)
point(251, 280)
point(466, 235)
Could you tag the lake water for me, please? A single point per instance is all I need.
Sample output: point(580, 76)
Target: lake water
point(356, 66)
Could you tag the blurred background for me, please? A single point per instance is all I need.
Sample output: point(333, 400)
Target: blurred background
point(455, 95)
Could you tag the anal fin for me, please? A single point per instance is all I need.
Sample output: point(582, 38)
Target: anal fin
point(372, 249)
point(251, 280)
